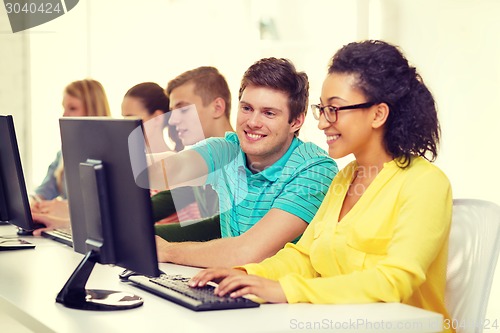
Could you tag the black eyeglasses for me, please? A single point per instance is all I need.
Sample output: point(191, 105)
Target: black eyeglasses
point(330, 111)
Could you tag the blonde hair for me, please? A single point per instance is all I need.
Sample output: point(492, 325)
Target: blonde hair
point(95, 104)
point(92, 95)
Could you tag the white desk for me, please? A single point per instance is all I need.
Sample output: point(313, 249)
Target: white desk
point(31, 279)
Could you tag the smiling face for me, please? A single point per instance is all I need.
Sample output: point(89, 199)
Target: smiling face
point(353, 130)
point(73, 107)
point(189, 116)
point(262, 125)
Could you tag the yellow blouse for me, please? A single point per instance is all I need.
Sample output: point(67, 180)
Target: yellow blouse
point(392, 246)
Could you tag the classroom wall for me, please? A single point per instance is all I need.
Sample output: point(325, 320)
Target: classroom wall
point(456, 46)
point(121, 44)
point(453, 43)
point(15, 85)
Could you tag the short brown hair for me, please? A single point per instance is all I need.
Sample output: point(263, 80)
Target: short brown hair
point(279, 74)
point(209, 84)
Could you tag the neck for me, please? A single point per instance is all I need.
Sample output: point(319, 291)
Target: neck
point(372, 156)
point(369, 165)
point(257, 163)
point(220, 127)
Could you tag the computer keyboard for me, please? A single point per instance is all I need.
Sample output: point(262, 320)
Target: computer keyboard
point(176, 289)
point(59, 235)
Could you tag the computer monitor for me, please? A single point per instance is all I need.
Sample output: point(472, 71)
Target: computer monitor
point(14, 204)
point(108, 210)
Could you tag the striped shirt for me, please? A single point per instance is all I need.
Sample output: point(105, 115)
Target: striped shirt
point(296, 183)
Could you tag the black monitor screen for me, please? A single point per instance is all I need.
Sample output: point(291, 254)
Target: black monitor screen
point(111, 216)
point(14, 204)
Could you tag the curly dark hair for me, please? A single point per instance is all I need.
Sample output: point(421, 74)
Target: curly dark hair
point(279, 74)
point(384, 75)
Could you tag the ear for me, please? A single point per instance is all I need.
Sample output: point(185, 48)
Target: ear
point(380, 115)
point(297, 123)
point(157, 113)
point(155, 117)
point(219, 107)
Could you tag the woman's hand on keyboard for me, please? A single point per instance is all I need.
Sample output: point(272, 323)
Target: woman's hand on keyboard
point(236, 283)
point(241, 285)
point(213, 274)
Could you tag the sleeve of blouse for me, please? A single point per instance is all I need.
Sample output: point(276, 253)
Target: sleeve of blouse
point(48, 188)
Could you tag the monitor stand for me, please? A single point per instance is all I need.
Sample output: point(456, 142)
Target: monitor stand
point(74, 295)
point(25, 232)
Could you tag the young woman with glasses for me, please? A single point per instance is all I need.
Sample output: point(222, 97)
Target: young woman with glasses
point(381, 234)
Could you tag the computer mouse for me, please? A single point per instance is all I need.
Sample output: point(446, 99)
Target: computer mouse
point(126, 274)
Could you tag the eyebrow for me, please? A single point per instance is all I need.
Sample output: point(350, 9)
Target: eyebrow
point(265, 108)
point(333, 98)
point(179, 105)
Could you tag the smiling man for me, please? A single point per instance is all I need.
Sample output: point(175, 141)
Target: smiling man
point(270, 183)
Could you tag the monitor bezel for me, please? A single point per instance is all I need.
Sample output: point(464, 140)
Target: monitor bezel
point(107, 140)
point(120, 230)
point(12, 177)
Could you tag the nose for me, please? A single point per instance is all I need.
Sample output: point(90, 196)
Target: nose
point(174, 118)
point(254, 120)
point(322, 122)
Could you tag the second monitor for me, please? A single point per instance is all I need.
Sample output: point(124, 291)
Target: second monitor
point(111, 216)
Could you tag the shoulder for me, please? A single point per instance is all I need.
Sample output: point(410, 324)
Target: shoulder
point(231, 137)
point(219, 151)
point(310, 162)
point(308, 153)
point(422, 175)
point(422, 168)
point(55, 163)
point(58, 157)
point(230, 140)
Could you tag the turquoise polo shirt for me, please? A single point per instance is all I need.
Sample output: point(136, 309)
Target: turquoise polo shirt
point(296, 183)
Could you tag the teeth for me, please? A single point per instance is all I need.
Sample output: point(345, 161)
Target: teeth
point(254, 136)
point(332, 137)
